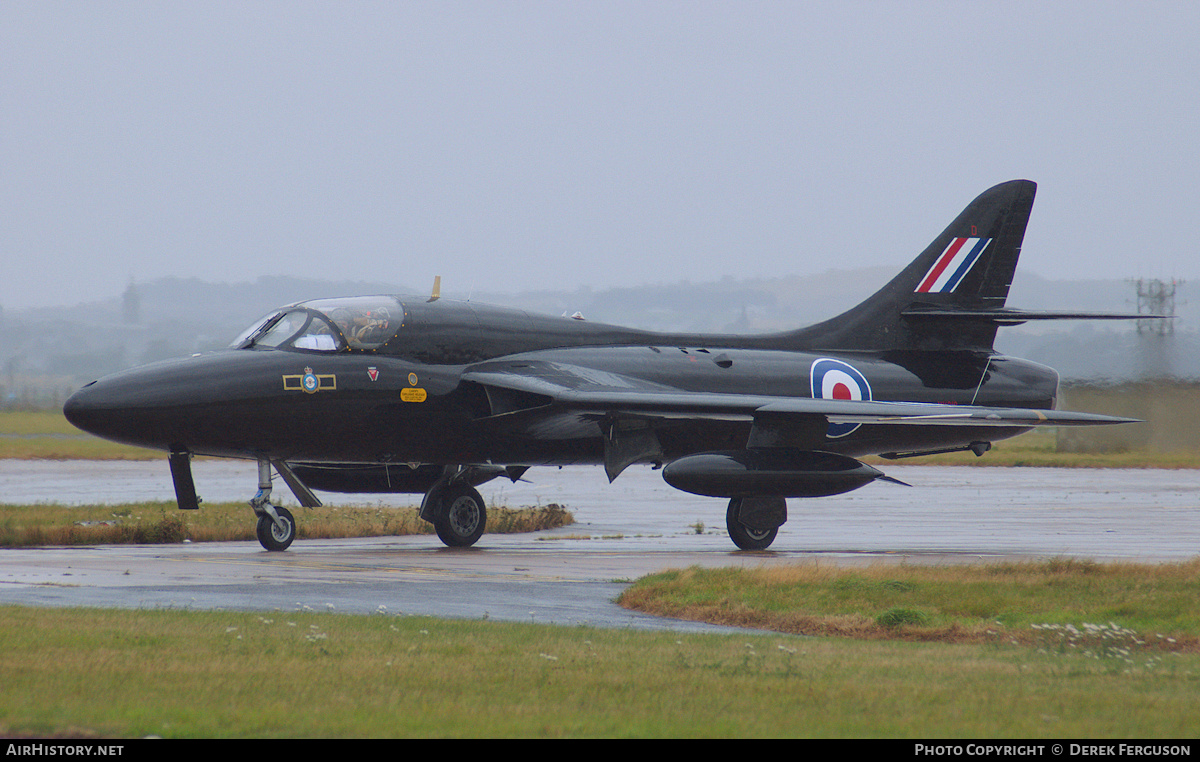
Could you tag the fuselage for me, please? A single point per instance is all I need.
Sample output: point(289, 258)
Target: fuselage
point(401, 398)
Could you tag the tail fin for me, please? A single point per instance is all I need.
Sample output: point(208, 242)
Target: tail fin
point(952, 295)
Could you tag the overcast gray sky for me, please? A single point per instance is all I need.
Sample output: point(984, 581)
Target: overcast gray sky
point(512, 145)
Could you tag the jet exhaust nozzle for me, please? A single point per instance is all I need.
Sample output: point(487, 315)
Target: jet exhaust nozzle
point(768, 471)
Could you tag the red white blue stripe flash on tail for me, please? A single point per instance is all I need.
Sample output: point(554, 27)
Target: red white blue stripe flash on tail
point(950, 268)
point(836, 380)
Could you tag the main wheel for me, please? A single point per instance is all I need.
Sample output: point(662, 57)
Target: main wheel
point(743, 536)
point(461, 516)
point(271, 535)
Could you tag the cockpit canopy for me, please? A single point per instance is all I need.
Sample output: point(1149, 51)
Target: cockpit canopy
point(327, 325)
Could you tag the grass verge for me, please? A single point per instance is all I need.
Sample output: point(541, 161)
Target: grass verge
point(1149, 608)
point(104, 673)
point(162, 522)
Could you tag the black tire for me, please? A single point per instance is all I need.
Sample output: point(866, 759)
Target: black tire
point(270, 536)
point(743, 536)
point(460, 516)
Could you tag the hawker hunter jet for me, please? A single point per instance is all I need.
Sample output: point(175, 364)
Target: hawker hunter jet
point(435, 397)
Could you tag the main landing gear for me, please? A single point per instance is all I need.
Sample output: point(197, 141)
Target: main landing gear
point(457, 512)
point(455, 507)
point(753, 522)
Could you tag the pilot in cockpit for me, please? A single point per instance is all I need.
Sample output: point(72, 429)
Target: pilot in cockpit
point(363, 326)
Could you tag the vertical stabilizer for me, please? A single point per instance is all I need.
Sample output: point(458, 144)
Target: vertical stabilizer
point(967, 269)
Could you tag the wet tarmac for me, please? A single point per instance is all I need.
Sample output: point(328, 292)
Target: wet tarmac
point(632, 527)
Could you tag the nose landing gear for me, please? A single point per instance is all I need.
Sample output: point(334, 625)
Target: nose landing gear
point(276, 526)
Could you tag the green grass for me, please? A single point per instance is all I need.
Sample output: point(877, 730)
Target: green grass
point(952, 603)
point(163, 522)
point(46, 435)
point(291, 674)
point(29, 422)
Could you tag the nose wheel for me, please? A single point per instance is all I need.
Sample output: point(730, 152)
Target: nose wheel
point(276, 533)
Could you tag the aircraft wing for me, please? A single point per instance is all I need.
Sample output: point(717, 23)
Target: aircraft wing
point(534, 390)
point(921, 414)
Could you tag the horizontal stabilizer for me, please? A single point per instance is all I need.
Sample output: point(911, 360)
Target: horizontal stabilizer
point(1007, 316)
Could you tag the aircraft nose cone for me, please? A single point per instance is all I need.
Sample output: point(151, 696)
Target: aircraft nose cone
point(172, 403)
point(79, 409)
point(120, 408)
point(92, 410)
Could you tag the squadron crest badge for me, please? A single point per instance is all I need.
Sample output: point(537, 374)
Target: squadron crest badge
point(309, 382)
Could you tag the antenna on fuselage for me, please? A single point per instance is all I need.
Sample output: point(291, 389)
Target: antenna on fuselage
point(437, 289)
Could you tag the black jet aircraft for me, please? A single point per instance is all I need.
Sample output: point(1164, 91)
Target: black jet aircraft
point(392, 394)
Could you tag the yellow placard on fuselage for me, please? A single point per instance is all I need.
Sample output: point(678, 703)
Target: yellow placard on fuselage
point(413, 394)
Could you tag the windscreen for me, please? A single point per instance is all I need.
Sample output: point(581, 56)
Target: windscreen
point(299, 328)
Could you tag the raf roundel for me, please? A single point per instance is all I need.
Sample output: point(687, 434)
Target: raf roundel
point(836, 380)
